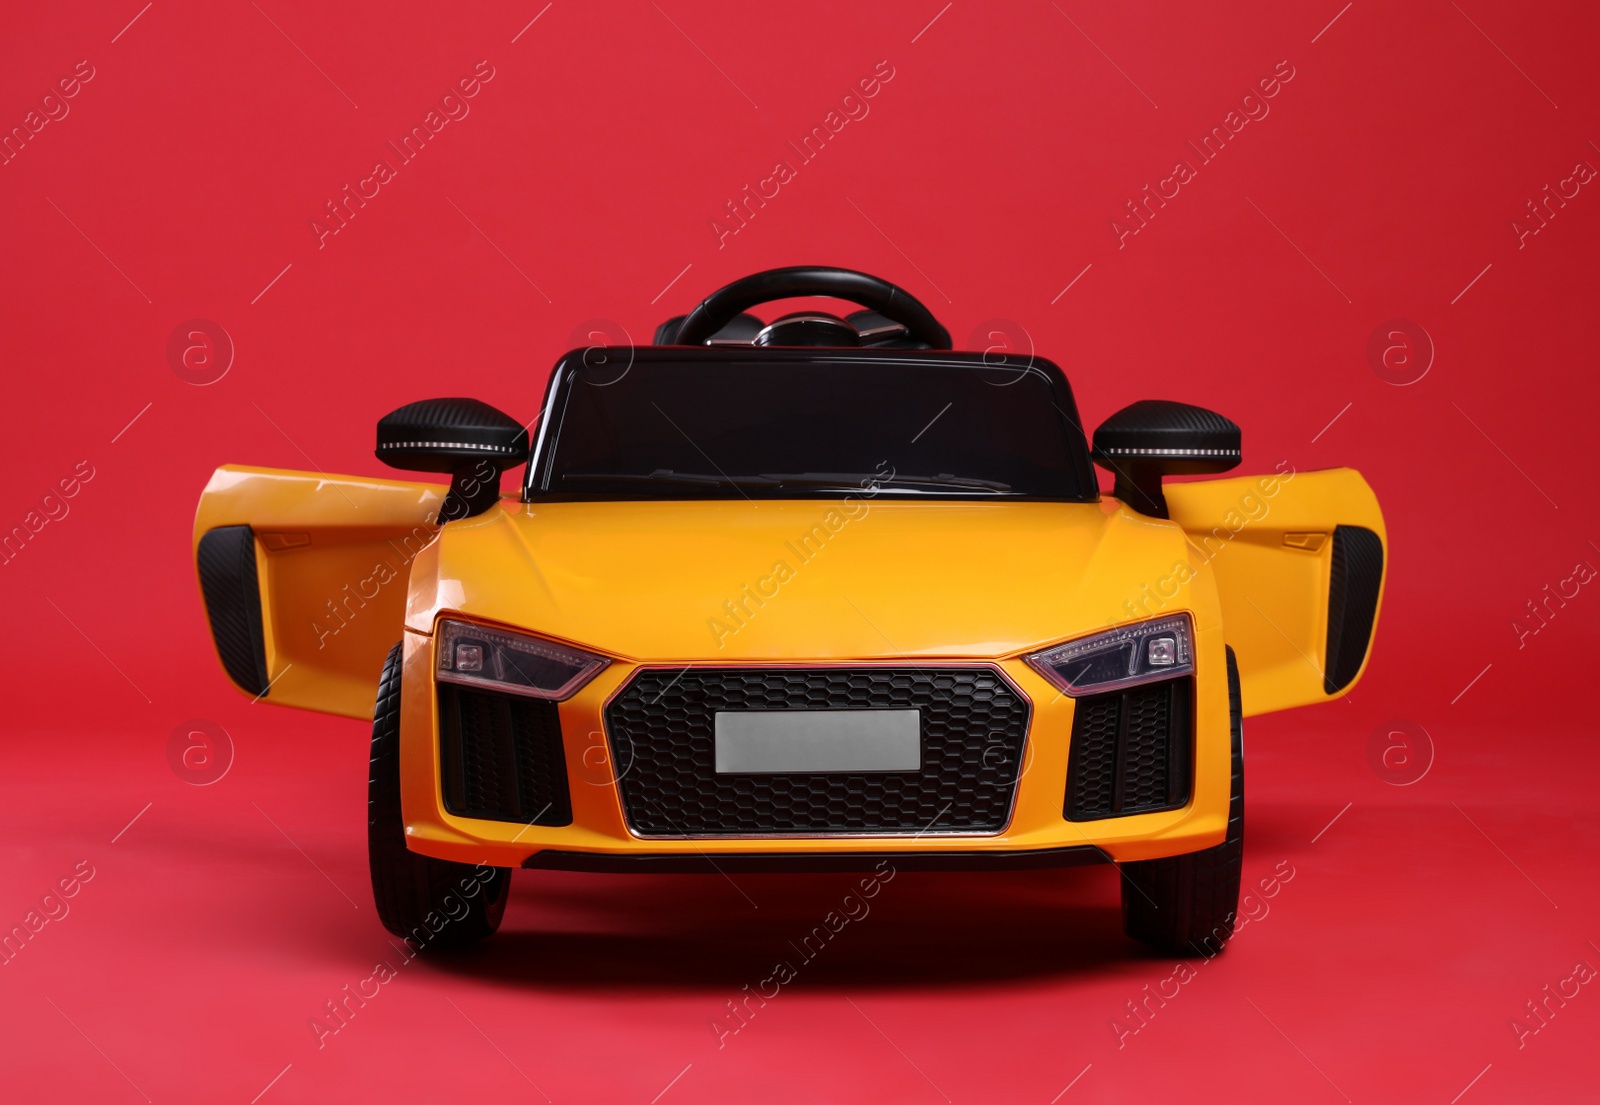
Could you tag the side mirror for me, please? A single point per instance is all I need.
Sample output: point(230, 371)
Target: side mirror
point(470, 440)
point(1153, 438)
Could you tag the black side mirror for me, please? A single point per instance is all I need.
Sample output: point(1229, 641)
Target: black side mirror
point(1153, 438)
point(470, 440)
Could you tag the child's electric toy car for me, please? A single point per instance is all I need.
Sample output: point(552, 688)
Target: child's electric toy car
point(812, 595)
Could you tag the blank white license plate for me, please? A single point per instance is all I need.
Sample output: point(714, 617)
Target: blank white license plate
point(817, 741)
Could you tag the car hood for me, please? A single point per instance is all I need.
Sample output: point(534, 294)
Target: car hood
point(802, 579)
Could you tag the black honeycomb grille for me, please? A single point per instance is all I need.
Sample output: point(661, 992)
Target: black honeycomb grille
point(502, 757)
point(1130, 751)
point(973, 725)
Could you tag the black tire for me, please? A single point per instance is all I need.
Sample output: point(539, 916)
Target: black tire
point(1186, 905)
point(433, 903)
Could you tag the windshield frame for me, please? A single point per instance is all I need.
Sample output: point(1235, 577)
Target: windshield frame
point(569, 371)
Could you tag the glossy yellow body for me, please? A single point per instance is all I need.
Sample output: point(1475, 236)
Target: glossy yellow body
point(790, 582)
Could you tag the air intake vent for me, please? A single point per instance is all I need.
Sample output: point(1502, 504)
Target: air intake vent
point(1131, 751)
point(502, 757)
point(226, 558)
point(1353, 586)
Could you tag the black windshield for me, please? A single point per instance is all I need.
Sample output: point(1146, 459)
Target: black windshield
point(678, 424)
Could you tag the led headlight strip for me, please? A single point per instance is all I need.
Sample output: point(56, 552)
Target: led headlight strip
point(1123, 657)
point(515, 663)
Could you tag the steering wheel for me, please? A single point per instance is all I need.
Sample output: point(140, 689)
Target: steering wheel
point(892, 302)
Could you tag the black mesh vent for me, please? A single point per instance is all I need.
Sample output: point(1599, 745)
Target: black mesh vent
point(226, 559)
point(1353, 585)
point(502, 757)
point(973, 725)
point(1130, 751)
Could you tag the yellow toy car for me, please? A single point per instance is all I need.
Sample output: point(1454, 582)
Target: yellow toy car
point(811, 595)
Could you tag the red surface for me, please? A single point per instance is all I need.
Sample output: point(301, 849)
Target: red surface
point(985, 178)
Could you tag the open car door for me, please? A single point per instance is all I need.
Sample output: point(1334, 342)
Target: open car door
point(304, 577)
point(1299, 561)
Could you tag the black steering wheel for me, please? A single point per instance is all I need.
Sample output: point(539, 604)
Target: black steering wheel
point(892, 302)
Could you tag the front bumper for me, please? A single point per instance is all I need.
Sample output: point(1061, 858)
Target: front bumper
point(1037, 833)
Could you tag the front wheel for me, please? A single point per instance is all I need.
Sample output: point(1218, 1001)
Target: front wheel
point(1186, 905)
point(434, 903)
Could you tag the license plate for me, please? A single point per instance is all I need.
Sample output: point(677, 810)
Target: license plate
point(770, 742)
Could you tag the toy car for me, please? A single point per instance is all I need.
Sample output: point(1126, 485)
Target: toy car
point(814, 594)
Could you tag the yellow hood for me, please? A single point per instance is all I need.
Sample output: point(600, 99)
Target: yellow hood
point(797, 579)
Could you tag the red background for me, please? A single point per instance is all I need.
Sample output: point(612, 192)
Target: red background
point(1381, 185)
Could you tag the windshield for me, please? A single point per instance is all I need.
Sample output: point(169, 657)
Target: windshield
point(678, 424)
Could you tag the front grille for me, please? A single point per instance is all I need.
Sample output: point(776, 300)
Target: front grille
point(1130, 751)
point(973, 725)
point(501, 757)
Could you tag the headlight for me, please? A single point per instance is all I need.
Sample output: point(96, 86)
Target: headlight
point(1122, 657)
point(478, 656)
